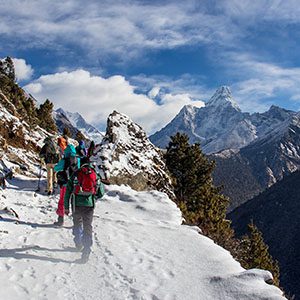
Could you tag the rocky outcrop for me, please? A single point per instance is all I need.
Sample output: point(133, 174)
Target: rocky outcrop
point(19, 144)
point(130, 158)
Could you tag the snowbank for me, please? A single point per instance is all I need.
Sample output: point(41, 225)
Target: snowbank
point(140, 251)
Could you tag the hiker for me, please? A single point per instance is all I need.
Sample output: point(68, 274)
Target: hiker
point(80, 149)
point(83, 188)
point(62, 142)
point(50, 154)
point(65, 169)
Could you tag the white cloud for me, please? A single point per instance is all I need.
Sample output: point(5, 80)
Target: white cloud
point(262, 10)
point(105, 28)
point(22, 69)
point(96, 97)
point(262, 83)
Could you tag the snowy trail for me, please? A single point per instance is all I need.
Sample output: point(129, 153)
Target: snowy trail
point(140, 251)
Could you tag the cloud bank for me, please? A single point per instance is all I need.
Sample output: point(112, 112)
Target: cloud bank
point(96, 97)
point(23, 70)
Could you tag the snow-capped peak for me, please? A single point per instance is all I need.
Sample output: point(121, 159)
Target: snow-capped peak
point(222, 98)
point(79, 122)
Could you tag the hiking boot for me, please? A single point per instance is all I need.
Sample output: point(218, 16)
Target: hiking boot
point(60, 221)
point(85, 257)
point(79, 247)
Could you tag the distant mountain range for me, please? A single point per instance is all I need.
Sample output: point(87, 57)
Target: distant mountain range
point(252, 151)
point(276, 213)
point(75, 122)
point(221, 125)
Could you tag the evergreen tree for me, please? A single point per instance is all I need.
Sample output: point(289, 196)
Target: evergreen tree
point(8, 68)
point(67, 132)
point(31, 112)
point(80, 136)
point(45, 116)
point(200, 201)
point(256, 253)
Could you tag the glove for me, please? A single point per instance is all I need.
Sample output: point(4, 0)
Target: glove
point(67, 212)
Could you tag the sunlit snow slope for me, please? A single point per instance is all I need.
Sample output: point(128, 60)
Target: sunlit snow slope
point(140, 251)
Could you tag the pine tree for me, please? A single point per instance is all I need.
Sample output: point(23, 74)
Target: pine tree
point(8, 68)
point(256, 253)
point(80, 136)
point(67, 132)
point(200, 201)
point(45, 116)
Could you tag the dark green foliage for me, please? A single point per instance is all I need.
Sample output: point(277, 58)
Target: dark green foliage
point(67, 132)
point(25, 106)
point(200, 201)
point(202, 204)
point(7, 68)
point(256, 253)
point(80, 136)
point(45, 116)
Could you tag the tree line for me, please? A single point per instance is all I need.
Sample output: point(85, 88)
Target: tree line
point(203, 205)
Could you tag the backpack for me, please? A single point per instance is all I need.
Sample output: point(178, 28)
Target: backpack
point(71, 164)
point(62, 178)
point(85, 181)
point(52, 151)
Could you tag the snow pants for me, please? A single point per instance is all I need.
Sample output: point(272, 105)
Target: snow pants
point(61, 207)
point(82, 227)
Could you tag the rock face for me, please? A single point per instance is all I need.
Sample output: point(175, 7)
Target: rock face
point(19, 143)
point(260, 164)
point(252, 151)
point(75, 122)
point(276, 213)
point(221, 125)
point(130, 158)
point(217, 126)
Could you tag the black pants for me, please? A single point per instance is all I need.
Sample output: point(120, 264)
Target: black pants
point(82, 228)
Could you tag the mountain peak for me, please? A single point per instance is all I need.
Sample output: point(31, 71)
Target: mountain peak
point(222, 98)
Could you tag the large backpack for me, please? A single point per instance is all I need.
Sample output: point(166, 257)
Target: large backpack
point(85, 181)
point(52, 151)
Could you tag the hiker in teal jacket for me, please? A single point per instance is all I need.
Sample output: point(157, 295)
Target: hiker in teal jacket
point(82, 201)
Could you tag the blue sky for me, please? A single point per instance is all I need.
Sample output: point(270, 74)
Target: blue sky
point(149, 58)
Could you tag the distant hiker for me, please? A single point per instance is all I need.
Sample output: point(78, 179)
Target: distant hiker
point(83, 188)
point(80, 149)
point(65, 169)
point(62, 142)
point(50, 154)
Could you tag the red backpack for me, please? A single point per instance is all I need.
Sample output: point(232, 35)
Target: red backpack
point(85, 181)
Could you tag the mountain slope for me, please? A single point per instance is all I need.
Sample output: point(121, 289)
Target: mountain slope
point(128, 157)
point(276, 213)
point(217, 126)
point(78, 122)
point(140, 251)
point(260, 164)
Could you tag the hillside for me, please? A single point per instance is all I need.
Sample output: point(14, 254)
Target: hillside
point(260, 164)
point(140, 251)
point(276, 213)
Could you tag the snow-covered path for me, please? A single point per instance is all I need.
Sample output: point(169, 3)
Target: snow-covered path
point(140, 251)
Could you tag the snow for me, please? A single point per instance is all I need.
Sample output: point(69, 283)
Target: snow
point(222, 98)
point(79, 122)
point(140, 251)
